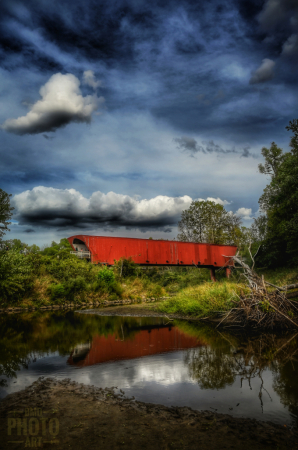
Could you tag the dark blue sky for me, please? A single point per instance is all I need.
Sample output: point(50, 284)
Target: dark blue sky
point(115, 114)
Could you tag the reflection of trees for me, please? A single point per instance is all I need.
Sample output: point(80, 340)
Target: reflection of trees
point(227, 356)
point(25, 336)
point(210, 367)
point(285, 385)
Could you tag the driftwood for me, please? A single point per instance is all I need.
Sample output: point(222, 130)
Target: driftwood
point(261, 308)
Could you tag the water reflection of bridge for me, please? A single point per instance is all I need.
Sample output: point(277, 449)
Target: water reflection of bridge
point(147, 341)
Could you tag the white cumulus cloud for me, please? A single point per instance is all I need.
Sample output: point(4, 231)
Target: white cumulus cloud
point(245, 213)
point(50, 207)
point(218, 201)
point(67, 207)
point(61, 103)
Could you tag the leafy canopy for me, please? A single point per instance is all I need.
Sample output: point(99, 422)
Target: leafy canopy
point(279, 203)
point(206, 221)
point(5, 212)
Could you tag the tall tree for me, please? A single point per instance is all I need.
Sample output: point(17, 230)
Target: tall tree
point(5, 212)
point(279, 203)
point(206, 221)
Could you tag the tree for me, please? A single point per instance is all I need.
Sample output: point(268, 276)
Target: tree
point(62, 249)
point(279, 203)
point(5, 212)
point(206, 221)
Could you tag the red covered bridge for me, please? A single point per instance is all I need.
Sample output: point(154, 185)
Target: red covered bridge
point(149, 252)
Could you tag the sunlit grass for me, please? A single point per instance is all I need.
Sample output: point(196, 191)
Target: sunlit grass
point(204, 300)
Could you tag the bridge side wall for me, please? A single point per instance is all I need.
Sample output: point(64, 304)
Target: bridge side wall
point(153, 252)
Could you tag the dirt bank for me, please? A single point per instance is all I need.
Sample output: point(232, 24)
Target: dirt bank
point(68, 415)
point(82, 305)
point(136, 310)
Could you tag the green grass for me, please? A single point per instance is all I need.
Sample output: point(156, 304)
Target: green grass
point(281, 276)
point(204, 300)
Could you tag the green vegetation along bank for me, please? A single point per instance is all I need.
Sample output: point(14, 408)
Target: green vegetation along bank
point(55, 277)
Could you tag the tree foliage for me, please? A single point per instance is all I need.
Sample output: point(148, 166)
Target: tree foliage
point(16, 275)
point(206, 221)
point(5, 212)
point(279, 204)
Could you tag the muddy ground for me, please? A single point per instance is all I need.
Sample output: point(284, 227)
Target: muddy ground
point(136, 310)
point(62, 415)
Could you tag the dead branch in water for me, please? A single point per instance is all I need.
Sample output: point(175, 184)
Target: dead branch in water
point(261, 308)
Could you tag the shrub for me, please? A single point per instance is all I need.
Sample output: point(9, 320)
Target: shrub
point(156, 291)
point(68, 269)
point(107, 284)
point(57, 291)
point(106, 276)
point(16, 275)
point(62, 249)
point(117, 289)
point(75, 286)
point(126, 267)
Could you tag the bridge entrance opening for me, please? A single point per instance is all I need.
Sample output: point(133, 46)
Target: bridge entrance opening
point(80, 245)
point(81, 249)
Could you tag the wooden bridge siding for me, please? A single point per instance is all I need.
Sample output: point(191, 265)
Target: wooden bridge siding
point(147, 251)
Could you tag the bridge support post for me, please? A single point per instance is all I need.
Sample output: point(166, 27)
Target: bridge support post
point(228, 272)
point(212, 274)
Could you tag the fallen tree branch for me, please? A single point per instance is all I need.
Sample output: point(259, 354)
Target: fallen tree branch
point(283, 288)
point(261, 308)
point(292, 294)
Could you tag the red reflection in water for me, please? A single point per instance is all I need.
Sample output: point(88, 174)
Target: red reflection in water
point(144, 343)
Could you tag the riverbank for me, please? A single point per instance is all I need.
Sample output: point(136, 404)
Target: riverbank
point(61, 281)
point(65, 414)
point(80, 305)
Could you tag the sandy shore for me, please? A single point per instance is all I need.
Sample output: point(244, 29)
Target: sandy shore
point(55, 414)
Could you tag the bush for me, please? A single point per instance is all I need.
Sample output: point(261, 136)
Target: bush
point(62, 249)
point(106, 276)
point(156, 291)
point(73, 287)
point(16, 275)
point(68, 269)
point(57, 291)
point(68, 290)
point(107, 284)
point(126, 267)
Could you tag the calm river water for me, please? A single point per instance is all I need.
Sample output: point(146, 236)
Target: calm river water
point(173, 363)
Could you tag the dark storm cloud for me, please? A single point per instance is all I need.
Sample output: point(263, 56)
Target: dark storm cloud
point(58, 208)
point(264, 73)
point(161, 54)
point(17, 180)
point(175, 68)
point(278, 13)
point(50, 208)
point(290, 47)
point(279, 20)
point(191, 146)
